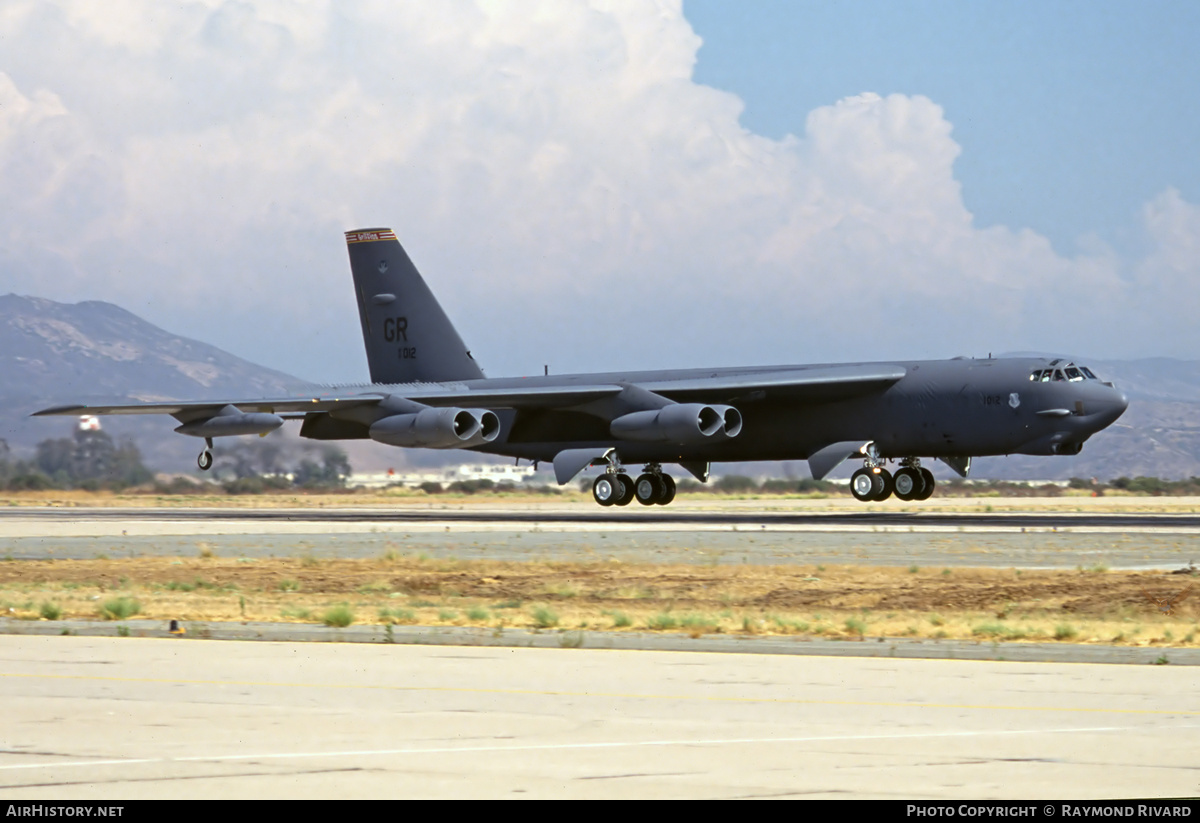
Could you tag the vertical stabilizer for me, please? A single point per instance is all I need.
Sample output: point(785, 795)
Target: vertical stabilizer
point(408, 336)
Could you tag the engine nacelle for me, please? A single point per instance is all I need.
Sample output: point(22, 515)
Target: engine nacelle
point(231, 421)
point(685, 423)
point(438, 428)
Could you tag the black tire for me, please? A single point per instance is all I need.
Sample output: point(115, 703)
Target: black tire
point(205, 460)
point(862, 485)
point(668, 490)
point(649, 489)
point(605, 489)
point(909, 483)
point(627, 489)
point(883, 485)
point(930, 484)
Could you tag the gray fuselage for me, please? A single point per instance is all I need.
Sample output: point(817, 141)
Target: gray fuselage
point(939, 408)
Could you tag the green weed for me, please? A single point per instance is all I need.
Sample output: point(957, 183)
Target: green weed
point(338, 616)
point(545, 618)
point(120, 608)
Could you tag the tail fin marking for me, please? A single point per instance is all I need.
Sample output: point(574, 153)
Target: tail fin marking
point(407, 335)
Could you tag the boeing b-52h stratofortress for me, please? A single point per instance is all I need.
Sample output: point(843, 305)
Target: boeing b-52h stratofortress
point(427, 391)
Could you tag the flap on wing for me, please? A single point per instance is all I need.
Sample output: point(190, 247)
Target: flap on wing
point(818, 383)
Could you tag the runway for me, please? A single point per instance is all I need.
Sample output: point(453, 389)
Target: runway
point(1122, 540)
point(126, 718)
point(685, 519)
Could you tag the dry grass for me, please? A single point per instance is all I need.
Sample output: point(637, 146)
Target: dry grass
point(992, 605)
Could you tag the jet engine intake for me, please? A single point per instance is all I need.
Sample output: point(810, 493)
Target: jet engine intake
point(231, 421)
point(438, 428)
point(684, 423)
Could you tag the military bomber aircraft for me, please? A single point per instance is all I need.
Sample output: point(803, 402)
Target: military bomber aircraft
point(427, 391)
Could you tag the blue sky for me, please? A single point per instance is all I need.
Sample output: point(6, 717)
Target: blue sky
point(615, 185)
point(1071, 114)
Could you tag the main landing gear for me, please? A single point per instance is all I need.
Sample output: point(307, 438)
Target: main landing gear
point(616, 488)
point(873, 482)
point(205, 460)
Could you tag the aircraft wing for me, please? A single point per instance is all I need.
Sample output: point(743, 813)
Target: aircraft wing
point(193, 408)
point(816, 384)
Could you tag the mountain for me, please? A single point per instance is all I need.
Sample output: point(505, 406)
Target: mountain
point(52, 353)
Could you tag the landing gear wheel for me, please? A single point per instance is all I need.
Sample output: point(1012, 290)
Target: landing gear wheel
point(205, 460)
point(627, 490)
point(668, 490)
point(909, 483)
point(930, 483)
point(650, 489)
point(607, 489)
point(883, 485)
point(862, 485)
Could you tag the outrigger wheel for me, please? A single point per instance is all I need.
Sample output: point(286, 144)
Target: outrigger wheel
point(205, 460)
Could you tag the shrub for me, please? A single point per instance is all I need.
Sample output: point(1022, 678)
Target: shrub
point(338, 617)
point(119, 608)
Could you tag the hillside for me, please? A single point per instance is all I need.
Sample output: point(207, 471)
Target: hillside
point(53, 353)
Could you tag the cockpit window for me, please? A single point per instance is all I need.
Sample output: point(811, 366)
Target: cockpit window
point(1069, 372)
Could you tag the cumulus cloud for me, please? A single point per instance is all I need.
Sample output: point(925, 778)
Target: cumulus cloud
point(552, 167)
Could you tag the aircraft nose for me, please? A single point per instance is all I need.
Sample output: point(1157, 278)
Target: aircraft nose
point(1113, 405)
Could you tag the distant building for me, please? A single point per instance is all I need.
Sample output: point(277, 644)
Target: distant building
point(89, 423)
point(497, 473)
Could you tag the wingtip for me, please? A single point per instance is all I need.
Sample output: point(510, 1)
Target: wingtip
point(55, 410)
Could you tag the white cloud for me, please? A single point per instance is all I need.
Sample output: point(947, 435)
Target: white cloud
point(550, 162)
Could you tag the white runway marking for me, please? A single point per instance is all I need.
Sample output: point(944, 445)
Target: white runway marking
point(570, 746)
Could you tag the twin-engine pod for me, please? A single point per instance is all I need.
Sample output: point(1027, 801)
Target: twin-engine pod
point(684, 423)
point(438, 428)
point(231, 421)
